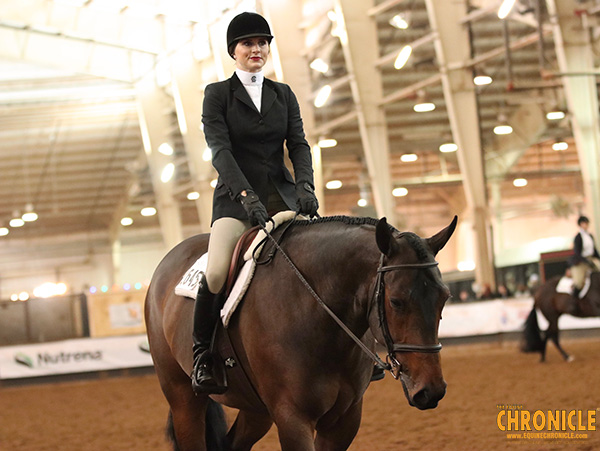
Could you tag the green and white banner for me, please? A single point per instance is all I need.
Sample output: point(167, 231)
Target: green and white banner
point(74, 356)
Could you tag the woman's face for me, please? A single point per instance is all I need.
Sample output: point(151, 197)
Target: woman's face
point(251, 54)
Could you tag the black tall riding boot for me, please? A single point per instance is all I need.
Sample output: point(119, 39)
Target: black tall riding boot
point(206, 314)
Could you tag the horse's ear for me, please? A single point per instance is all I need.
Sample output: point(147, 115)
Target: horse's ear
point(383, 236)
point(439, 240)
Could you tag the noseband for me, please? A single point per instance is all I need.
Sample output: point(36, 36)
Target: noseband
point(394, 366)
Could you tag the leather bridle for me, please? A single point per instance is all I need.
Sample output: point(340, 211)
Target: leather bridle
point(394, 366)
point(391, 364)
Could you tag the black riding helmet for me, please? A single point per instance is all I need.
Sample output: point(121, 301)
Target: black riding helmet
point(246, 25)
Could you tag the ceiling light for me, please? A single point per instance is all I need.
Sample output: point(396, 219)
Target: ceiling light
point(424, 107)
point(423, 104)
point(323, 96)
point(193, 195)
point(16, 222)
point(505, 8)
point(409, 157)
point(165, 149)
point(213, 183)
point(319, 65)
point(403, 56)
point(148, 211)
point(29, 216)
point(399, 21)
point(399, 192)
point(448, 147)
point(555, 115)
point(4, 231)
point(126, 221)
point(481, 79)
point(362, 202)
point(520, 182)
point(502, 128)
point(327, 142)
point(167, 173)
point(23, 296)
point(560, 145)
point(207, 154)
point(334, 184)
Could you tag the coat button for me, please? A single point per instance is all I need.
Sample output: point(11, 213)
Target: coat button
point(261, 122)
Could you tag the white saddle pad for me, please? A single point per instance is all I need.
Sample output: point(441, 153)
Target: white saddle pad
point(565, 285)
point(188, 286)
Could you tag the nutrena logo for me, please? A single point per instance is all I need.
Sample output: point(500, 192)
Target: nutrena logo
point(521, 420)
point(59, 358)
point(23, 359)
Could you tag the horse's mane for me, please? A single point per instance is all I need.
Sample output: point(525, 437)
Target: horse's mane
point(413, 239)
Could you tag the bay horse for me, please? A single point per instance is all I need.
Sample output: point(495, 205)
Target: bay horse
point(309, 374)
point(553, 304)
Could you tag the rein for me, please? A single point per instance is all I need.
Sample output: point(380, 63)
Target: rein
point(391, 364)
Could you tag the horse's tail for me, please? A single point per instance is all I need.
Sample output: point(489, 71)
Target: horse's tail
point(216, 428)
point(532, 337)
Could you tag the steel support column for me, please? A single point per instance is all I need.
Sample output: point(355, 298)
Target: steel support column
point(575, 56)
point(452, 48)
point(361, 48)
point(188, 94)
point(153, 105)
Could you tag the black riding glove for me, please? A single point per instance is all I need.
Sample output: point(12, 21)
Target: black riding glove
point(256, 211)
point(307, 202)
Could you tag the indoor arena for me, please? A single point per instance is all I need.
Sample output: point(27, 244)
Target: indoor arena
point(299, 225)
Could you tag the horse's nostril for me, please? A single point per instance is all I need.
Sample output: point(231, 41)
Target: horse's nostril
point(428, 399)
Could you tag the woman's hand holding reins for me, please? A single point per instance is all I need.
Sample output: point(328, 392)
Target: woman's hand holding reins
point(307, 202)
point(256, 211)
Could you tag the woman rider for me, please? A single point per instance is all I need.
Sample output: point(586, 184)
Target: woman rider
point(247, 119)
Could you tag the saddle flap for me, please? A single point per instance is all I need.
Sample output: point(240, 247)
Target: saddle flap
point(237, 260)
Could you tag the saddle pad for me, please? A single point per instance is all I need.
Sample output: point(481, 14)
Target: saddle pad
point(188, 286)
point(565, 285)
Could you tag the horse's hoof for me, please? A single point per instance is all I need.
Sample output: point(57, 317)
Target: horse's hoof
point(570, 358)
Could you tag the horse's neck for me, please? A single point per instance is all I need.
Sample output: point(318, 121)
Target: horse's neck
point(345, 264)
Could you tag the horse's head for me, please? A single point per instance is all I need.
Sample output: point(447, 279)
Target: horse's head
point(411, 296)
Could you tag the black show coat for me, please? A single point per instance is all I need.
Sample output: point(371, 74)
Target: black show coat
point(247, 145)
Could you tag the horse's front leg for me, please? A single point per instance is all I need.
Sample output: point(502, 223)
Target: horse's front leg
point(248, 429)
point(296, 432)
point(339, 436)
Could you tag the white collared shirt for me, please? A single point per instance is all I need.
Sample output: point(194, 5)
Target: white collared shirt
point(587, 244)
point(253, 82)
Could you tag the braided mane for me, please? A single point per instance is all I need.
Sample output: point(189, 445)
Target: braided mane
point(348, 220)
point(413, 239)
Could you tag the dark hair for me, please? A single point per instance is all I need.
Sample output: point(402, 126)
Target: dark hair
point(582, 219)
point(246, 25)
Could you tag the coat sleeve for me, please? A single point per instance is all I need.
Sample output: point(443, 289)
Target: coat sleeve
point(216, 132)
point(298, 148)
point(577, 248)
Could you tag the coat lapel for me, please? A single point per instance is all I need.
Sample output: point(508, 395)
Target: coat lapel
point(268, 97)
point(240, 92)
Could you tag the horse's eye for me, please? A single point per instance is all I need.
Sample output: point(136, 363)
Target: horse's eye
point(397, 302)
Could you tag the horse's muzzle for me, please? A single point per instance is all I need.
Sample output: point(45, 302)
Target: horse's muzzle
point(428, 397)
